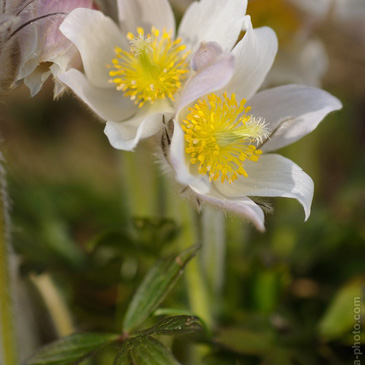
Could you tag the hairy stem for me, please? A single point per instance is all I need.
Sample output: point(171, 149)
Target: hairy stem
point(8, 346)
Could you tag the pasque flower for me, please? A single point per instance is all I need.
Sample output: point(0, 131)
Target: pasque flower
point(31, 46)
point(222, 142)
point(135, 70)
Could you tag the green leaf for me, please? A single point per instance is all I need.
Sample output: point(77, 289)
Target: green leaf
point(176, 325)
point(146, 351)
point(156, 285)
point(340, 316)
point(72, 349)
point(172, 312)
point(153, 352)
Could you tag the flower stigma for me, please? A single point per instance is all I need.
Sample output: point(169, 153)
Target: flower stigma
point(154, 68)
point(219, 136)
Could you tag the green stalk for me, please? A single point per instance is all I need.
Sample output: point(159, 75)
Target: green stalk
point(198, 295)
point(214, 252)
point(7, 326)
point(139, 182)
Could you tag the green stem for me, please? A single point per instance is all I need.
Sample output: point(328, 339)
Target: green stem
point(214, 252)
point(139, 182)
point(8, 345)
point(198, 295)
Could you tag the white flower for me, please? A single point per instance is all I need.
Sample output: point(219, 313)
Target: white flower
point(148, 64)
point(32, 47)
point(221, 148)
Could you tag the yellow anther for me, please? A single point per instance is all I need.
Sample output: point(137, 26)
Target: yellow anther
point(222, 137)
point(154, 68)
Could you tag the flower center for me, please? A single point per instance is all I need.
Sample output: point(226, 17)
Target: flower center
point(154, 68)
point(219, 137)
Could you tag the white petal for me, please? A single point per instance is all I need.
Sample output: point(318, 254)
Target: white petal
point(212, 78)
point(109, 104)
point(292, 111)
point(145, 14)
point(254, 56)
point(95, 36)
point(243, 207)
point(146, 123)
point(211, 20)
point(36, 79)
point(272, 176)
point(200, 184)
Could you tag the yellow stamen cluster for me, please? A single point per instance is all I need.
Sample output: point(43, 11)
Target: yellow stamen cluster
point(154, 67)
point(219, 136)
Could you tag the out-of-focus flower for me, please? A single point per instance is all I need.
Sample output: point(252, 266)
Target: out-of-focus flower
point(302, 58)
point(220, 148)
point(32, 48)
point(148, 64)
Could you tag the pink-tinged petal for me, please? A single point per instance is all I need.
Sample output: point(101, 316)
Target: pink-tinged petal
point(243, 207)
point(272, 176)
point(53, 42)
point(146, 123)
point(95, 36)
point(291, 112)
point(210, 79)
point(213, 20)
point(207, 54)
point(48, 7)
point(145, 14)
point(178, 161)
point(109, 104)
point(254, 56)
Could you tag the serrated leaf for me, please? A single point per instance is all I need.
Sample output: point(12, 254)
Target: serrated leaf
point(156, 285)
point(339, 317)
point(176, 325)
point(152, 352)
point(72, 349)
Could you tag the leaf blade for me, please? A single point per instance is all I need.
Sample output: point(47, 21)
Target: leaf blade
point(72, 349)
point(174, 325)
point(158, 282)
point(153, 352)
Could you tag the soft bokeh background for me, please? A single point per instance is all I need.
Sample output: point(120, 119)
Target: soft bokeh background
point(289, 293)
